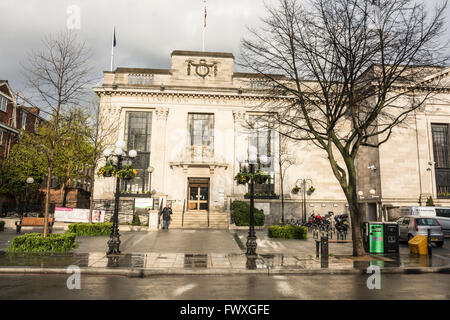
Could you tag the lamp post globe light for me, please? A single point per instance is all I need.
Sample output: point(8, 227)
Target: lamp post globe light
point(252, 161)
point(119, 155)
point(30, 181)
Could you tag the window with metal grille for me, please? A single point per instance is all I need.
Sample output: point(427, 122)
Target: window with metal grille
point(440, 145)
point(261, 136)
point(138, 133)
point(201, 135)
point(441, 151)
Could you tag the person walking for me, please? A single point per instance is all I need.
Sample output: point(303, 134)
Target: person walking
point(166, 215)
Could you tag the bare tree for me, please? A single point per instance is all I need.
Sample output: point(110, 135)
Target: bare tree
point(353, 71)
point(104, 127)
point(285, 160)
point(59, 75)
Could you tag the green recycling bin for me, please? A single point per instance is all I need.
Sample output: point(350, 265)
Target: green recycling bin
point(376, 239)
point(373, 237)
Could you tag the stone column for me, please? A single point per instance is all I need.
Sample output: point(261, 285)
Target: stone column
point(158, 154)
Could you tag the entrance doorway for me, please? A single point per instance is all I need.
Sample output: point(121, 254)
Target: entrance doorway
point(198, 194)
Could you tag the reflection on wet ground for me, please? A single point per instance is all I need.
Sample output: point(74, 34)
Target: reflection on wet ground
point(216, 261)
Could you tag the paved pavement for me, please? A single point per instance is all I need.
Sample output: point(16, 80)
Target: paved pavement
point(213, 251)
point(242, 287)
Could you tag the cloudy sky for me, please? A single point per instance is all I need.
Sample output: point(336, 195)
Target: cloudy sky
point(147, 30)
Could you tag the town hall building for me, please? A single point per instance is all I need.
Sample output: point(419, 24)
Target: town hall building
point(190, 126)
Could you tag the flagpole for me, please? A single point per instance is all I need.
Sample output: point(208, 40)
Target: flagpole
point(204, 29)
point(112, 48)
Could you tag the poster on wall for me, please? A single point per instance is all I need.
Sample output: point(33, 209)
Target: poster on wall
point(78, 215)
point(143, 203)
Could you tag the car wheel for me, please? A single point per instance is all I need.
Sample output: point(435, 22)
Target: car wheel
point(439, 244)
point(410, 236)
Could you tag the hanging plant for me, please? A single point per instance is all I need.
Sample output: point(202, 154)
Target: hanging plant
point(311, 189)
point(260, 177)
point(243, 176)
point(127, 173)
point(108, 170)
point(295, 190)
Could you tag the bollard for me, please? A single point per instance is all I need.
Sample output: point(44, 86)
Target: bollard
point(324, 252)
point(429, 241)
point(317, 248)
point(324, 247)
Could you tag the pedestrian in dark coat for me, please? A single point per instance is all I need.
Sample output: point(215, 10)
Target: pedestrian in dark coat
point(166, 215)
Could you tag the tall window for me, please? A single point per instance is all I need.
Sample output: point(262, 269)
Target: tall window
point(24, 120)
point(441, 150)
point(201, 136)
point(138, 132)
point(261, 136)
point(3, 103)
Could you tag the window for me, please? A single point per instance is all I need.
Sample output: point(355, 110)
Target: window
point(3, 103)
point(427, 222)
point(440, 145)
point(1, 137)
point(24, 120)
point(441, 152)
point(443, 213)
point(138, 133)
point(201, 136)
point(261, 136)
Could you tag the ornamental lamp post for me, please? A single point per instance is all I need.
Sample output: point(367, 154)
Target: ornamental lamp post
point(30, 181)
point(304, 183)
point(120, 155)
point(252, 161)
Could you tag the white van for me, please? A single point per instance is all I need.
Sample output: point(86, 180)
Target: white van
point(442, 214)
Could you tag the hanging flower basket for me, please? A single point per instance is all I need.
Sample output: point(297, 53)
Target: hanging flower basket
point(108, 170)
point(295, 190)
point(260, 177)
point(242, 177)
point(127, 173)
point(245, 177)
point(311, 189)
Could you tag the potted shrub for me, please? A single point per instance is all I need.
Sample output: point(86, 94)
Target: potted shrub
point(108, 170)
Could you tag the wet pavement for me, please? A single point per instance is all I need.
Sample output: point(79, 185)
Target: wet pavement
point(213, 250)
point(228, 287)
point(216, 261)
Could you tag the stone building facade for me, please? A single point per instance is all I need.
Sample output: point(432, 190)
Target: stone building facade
point(189, 125)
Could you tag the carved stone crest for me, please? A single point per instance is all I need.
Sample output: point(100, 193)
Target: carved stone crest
point(202, 69)
point(162, 113)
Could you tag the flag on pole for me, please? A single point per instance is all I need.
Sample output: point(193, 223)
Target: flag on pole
point(114, 41)
point(205, 15)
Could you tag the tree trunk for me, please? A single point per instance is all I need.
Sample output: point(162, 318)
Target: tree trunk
point(355, 214)
point(91, 198)
point(47, 197)
point(358, 248)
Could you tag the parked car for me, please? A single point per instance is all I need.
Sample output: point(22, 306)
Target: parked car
point(443, 216)
point(410, 226)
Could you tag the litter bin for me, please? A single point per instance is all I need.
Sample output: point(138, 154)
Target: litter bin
point(419, 245)
point(391, 241)
point(373, 237)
